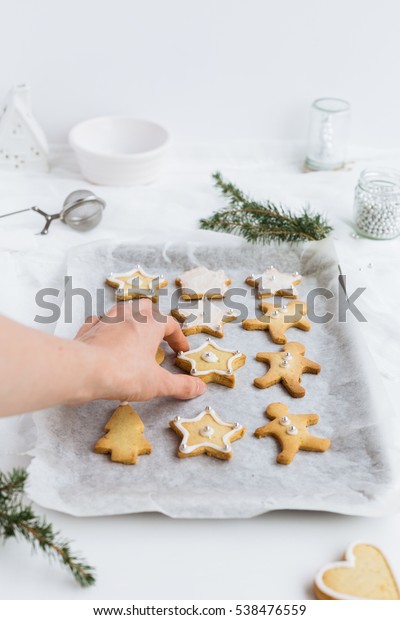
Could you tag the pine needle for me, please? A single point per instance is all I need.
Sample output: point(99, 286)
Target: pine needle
point(263, 222)
point(17, 520)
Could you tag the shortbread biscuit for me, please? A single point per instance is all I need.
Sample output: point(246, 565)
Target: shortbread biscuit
point(273, 282)
point(206, 433)
point(202, 282)
point(135, 284)
point(286, 366)
point(211, 363)
point(363, 574)
point(278, 319)
point(204, 316)
point(124, 438)
point(291, 432)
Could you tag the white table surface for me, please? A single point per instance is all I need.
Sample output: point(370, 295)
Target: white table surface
point(150, 556)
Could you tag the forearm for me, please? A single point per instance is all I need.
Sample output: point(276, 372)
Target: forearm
point(27, 356)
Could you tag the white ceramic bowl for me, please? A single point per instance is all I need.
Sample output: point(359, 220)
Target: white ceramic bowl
point(118, 150)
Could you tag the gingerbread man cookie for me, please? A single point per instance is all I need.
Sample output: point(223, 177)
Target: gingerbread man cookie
point(291, 432)
point(287, 366)
point(273, 282)
point(211, 363)
point(205, 317)
point(278, 319)
point(364, 573)
point(202, 282)
point(136, 283)
point(124, 438)
point(206, 433)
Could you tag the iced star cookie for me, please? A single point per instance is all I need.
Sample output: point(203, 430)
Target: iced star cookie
point(286, 366)
point(278, 319)
point(204, 316)
point(206, 433)
point(202, 282)
point(273, 282)
point(211, 363)
point(291, 432)
point(124, 438)
point(363, 574)
point(136, 283)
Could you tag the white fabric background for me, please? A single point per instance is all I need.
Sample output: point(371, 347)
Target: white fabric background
point(207, 70)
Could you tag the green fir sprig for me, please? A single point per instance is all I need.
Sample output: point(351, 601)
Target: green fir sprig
point(261, 222)
point(17, 520)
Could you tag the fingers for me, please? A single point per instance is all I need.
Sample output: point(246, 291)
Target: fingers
point(179, 386)
point(174, 336)
point(90, 322)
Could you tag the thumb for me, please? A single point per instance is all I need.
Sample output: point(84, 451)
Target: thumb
point(179, 386)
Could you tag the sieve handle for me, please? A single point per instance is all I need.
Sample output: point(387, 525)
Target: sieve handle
point(48, 218)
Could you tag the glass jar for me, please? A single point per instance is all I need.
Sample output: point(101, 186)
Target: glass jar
point(377, 204)
point(328, 134)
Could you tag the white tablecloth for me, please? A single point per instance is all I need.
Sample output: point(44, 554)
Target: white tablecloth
point(142, 556)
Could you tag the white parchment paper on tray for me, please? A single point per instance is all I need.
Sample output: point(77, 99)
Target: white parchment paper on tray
point(357, 474)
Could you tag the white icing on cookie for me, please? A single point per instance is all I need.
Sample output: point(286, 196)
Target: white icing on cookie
point(271, 281)
point(136, 280)
point(207, 431)
point(206, 314)
point(233, 427)
point(348, 562)
point(209, 357)
point(210, 344)
point(201, 281)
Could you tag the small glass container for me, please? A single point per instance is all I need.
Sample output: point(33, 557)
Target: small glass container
point(377, 204)
point(328, 134)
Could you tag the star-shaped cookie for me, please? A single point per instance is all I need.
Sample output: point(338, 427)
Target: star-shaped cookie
point(291, 432)
point(273, 282)
point(124, 438)
point(136, 283)
point(278, 319)
point(160, 355)
point(286, 366)
point(211, 363)
point(204, 316)
point(206, 433)
point(202, 282)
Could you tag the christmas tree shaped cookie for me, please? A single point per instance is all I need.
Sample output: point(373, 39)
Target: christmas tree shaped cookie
point(136, 283)
point(206, 316)
point(291, 432)
point(206, 434)
point(286, 366)
point(273, 282)
point(278, 319)
point(124, 438)
point(211, 363)
point(202, 282)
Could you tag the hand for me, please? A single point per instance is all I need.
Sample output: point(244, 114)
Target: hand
point(125, 343)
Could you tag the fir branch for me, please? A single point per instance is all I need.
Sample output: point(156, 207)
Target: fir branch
point(263, 222)
point(17, 520)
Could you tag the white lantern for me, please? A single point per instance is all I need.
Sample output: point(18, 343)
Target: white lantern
point(23, 144)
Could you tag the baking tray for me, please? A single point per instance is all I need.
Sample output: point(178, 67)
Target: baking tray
point(354, 477)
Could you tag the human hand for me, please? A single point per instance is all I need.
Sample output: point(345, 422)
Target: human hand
point(125, 342)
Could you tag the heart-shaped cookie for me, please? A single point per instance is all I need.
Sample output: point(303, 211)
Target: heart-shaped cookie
point(364, 573)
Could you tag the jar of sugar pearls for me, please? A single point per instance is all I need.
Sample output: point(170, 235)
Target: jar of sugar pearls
point(377, 204)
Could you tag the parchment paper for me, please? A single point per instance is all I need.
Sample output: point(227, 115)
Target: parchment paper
point(356, 476)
